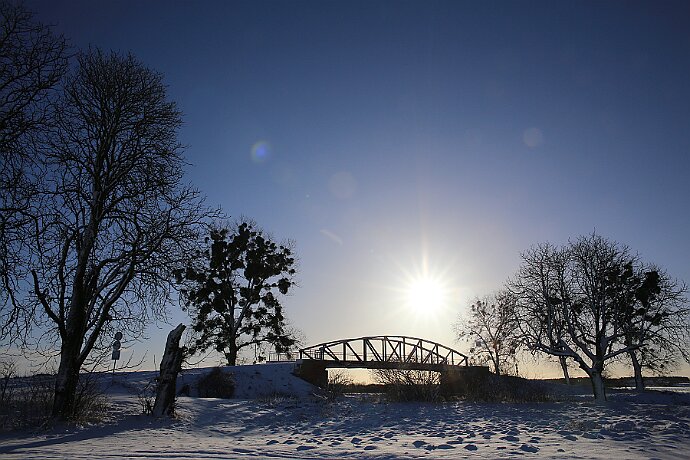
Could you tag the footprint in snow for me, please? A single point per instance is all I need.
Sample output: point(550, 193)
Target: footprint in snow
point(289, 441)
point(510, 438)
point(356, 440)
point(418, 444)
point(445, 446)
point(242, 451)
point(300, 448)
point(471, 447)
point(271, 442)
point(370, 447)
point(376, 439)
point(528, 448)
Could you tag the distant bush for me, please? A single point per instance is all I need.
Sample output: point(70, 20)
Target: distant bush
point(217, 384)
point(27, 402)
point(409, 385)
point(338, 382)
point(493, 388)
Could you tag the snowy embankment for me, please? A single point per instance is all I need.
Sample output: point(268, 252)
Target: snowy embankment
point(251, 381)
point(629, 426)
point(256, 381)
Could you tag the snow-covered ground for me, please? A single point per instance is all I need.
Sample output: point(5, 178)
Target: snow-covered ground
point(629, 426)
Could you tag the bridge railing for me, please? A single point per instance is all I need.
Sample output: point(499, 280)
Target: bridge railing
point(281, 357)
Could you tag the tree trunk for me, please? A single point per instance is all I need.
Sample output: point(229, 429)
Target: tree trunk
point(495, 358)
point(564, 367)
point(598, 385)
point(67, 378)
point(167, 380)
point(637, 368)
point(231, 355)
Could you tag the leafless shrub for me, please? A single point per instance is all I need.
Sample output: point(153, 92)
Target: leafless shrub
point(493, 388)
point(90, 403)
point(337, 383)
point(277, 399)
point(147, 396)
point(27, 402)
point(7, 372)
point(409, 385)
point(217, 384)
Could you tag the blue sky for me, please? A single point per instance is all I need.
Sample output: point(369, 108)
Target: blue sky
point(392, 138)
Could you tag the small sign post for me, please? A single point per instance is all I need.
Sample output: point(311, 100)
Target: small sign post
point(116, 349)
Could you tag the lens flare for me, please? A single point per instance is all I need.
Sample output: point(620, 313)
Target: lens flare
point(261, 151)
point(532, 137)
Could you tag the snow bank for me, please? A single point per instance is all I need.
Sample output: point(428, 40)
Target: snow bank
point(251, 381)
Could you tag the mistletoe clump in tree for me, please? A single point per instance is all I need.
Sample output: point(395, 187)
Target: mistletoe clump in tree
point(232, 293)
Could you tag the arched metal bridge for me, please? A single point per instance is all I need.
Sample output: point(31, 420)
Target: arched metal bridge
point(383, 352)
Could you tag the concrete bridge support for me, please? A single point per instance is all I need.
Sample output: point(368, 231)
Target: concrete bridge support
point(313, 372)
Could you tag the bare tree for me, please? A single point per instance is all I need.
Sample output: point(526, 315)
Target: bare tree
point(113, 218)
point(565, 305)
point(654, 315)
point(537, 289)
point(32, 62)
point(493, 332)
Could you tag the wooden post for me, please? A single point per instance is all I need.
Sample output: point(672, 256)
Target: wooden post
point(167, 380)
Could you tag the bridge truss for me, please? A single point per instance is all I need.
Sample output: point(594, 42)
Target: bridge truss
point(384, 352)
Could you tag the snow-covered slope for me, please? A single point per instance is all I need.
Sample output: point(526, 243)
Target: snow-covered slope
point(656, 425)
point(256, 381)
point(251, 381)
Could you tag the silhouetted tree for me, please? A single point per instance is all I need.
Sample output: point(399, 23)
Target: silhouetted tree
point(537, 289)
point(492, 331)
point(579, 297)
point(111, 218)
point(233, 292)
point(654, 315)
point(32, 62)
point(594, 301)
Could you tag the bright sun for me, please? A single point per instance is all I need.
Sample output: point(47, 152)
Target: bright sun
point(426, 294)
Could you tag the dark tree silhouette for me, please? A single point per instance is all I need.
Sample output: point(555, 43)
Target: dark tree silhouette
point(232, 293)
point(539, 285)
point(32, 62)
point(592, 301)
point(654, 315)
point(492, 330)
point(112, 218)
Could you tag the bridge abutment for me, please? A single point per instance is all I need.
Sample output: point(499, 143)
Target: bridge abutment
point(313, 372)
